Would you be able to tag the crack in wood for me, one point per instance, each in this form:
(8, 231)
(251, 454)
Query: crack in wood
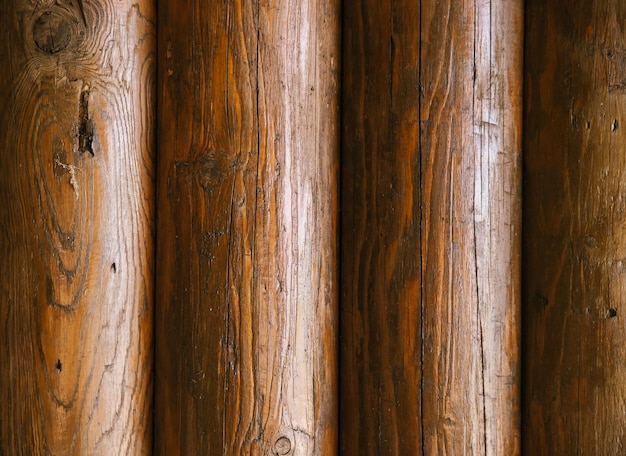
(85, 124)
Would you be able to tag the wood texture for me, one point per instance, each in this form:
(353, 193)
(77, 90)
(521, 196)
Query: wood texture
(247, 200)
(575, 238)
(76, 226)
(431, 133)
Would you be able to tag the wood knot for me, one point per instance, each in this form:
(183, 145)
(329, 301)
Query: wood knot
(282, 446)
(211, 170)
(52, 32)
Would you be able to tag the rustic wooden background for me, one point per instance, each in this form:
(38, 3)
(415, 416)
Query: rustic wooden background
(294, 227)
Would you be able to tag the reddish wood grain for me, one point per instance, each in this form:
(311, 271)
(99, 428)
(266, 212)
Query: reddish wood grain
(431, 227)
(247, 301)
(76, 226)
(575, 243)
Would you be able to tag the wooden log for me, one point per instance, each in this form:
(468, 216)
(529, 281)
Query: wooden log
(431, 109)
(575, 238)
(247, 200)
(76, 226)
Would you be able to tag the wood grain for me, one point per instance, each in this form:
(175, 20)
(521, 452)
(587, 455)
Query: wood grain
(431, 137)
(247, 200)
(575, 238)
(380, 409)
(76, 226)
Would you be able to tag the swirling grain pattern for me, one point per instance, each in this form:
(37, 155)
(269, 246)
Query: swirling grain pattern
(77, 216)
(247, 227)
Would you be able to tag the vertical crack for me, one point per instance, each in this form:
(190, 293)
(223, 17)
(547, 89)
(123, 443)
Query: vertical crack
(79, 11)
(421, 229)
(478, 150)
(85, 124)
(227, 357)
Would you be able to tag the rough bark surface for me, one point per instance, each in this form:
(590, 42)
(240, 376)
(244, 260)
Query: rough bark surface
(76, 226)
(575, 228)
(431, 137)
(248, 163)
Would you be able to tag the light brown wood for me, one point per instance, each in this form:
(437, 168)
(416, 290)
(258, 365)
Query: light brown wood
(574, 230)
(471, 110)
(76, 224)
(431, 227)
(247, 303)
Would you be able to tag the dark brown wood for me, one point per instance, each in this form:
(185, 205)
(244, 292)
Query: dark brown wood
(575, 243)
(247, 301)
(380, 411)
(431, 110)
(76, 226)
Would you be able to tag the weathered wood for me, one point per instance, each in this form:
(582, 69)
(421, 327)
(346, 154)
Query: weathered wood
(246, 304)
(471, 120)
(574, 237)
(76, 223)
(431, 227)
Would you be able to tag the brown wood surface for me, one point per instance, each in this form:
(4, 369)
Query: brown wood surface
(431, 134)
(247, 199)
(575, 228)
(76, 223)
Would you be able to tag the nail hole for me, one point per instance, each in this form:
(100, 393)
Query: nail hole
(113, 268)
(540, 301)
(611, 312)
(58, 365)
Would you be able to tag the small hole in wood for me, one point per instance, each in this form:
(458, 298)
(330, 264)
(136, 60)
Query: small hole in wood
(58, 365)
(113, 268)
(282, 446)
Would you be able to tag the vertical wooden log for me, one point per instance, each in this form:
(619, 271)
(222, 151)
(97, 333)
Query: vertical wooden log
(575, 230)
(431, 221)
(247, 317)
(76, 224)
(380, 243)
(471, 119)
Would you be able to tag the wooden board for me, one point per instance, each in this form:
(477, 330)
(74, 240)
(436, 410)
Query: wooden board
(431, 135)
(76, 226)
(247, 295)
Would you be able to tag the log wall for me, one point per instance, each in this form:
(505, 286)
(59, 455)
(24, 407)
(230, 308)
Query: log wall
(284, 323)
